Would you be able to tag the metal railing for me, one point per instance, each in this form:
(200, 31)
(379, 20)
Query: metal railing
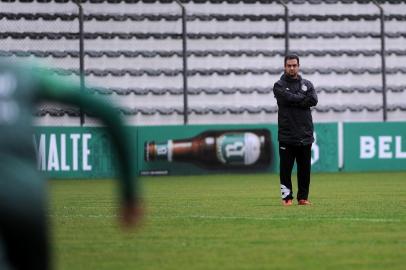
(286, 8)
(81, 55)
(383, 62)
(184, 58)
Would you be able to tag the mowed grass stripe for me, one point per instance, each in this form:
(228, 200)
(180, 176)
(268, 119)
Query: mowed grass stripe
(357, 221)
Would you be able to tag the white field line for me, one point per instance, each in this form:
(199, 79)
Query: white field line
(282, 218)
(204, 217)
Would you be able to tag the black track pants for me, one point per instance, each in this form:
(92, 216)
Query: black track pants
(24, 240)
(288, 154)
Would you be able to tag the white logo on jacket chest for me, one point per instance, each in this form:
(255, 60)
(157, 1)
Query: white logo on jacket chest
(304, 87)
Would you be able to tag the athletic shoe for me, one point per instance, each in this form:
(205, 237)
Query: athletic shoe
(287, 202)
(304, 202)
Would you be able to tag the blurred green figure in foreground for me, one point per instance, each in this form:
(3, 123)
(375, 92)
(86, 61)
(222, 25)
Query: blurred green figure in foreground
(24, 240)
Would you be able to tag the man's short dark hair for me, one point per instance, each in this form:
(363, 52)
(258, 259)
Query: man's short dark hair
(290, 57)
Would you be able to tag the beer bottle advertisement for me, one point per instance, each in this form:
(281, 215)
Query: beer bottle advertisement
(215, 149)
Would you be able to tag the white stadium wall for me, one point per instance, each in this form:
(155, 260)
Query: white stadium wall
(133, 57)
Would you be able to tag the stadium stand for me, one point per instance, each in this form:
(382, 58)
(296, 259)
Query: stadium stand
(133, 56)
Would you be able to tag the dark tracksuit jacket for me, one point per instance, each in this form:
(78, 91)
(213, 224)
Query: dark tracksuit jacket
(294, 98)
(295, 132)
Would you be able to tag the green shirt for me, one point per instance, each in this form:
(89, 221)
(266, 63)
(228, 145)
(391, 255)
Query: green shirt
(21, 88)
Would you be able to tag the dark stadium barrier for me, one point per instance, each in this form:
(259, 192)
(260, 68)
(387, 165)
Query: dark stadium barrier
(234, 90)
(193, 36)
(217, 110)
(219, 71)
(196, 53)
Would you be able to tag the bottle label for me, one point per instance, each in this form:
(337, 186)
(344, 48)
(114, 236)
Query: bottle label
(238, 148)
(164, 151)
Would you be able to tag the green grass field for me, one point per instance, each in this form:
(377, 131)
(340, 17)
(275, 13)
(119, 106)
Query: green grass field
(357, 221)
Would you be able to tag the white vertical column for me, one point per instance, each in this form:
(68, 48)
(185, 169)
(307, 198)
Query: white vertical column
(340, 134)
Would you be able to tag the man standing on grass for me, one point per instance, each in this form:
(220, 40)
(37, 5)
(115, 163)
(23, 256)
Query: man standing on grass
(294, 96)
(23, 211)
